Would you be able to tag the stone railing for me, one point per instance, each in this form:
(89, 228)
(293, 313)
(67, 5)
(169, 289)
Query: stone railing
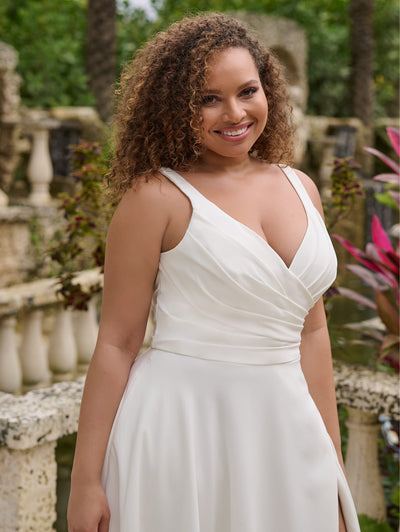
(40, 340)
(366, 394)
(31, 424)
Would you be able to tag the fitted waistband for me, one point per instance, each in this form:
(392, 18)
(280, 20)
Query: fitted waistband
(228, 353)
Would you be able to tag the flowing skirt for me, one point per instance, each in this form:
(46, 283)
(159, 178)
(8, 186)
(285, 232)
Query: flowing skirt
(211, 446)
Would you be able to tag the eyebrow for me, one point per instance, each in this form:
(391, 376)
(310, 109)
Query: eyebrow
(215, 91)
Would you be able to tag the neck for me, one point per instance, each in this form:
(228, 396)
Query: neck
(212, 163)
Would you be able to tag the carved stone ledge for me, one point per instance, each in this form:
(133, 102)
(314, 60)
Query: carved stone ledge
(365, 389)
(40, 293)
(40, 416)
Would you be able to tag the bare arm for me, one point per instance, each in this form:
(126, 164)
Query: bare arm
(316, 358)
(132, 253)
(316, 363)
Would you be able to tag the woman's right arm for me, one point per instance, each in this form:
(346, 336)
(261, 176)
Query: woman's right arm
(133, 247)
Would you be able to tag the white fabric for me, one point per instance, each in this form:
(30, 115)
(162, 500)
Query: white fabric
(216, 431)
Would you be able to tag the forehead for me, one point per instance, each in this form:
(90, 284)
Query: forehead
(231, 64)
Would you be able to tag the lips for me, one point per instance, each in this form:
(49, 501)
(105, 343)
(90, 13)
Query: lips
(233, 133)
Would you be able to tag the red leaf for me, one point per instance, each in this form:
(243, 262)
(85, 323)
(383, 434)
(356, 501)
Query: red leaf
(384, 158)
(367, 276)
(359, 254)
(395, 258)
(385, 267)
(390, 341)
(355, 296)
(379, 235)
(387, 312)
(388, 178)
(394, 135)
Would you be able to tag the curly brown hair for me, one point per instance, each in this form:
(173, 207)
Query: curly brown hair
(159, 120)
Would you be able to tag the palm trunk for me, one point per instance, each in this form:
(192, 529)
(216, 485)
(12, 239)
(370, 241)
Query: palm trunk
(101, 54)
(362, 45)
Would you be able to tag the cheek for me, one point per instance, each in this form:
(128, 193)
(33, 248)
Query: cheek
(263, 110)
(264, 104)
(206, 119)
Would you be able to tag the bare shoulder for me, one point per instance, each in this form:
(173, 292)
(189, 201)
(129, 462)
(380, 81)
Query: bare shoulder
(311, 189)
(145, 205)
(146, 196)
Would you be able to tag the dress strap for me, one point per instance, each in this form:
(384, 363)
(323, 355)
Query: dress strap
(299, 187)
(183, 185)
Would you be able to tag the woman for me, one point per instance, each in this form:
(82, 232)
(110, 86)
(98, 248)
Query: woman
(220, 426)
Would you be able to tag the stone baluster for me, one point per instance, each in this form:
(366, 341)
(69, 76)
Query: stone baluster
(10, 366)
(33, 351)
(86, 329)
(40, 168)
(62, 351)
(362, 465)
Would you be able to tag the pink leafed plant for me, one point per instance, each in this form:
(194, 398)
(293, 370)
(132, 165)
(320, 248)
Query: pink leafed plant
(392, 178)
(379, 269)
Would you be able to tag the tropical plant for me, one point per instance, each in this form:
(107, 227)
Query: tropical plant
(87, 215)
(379, 269)
(391, 178)
(345, 188)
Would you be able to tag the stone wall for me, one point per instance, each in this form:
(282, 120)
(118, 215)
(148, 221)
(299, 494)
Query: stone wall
(287, 40)
(9, 116)
(25, 235)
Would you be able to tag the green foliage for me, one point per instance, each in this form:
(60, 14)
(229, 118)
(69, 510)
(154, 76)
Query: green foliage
(87, 215)
(370, 525)
(327, 24)
(133, 30)
(386, 57)
(50, 38)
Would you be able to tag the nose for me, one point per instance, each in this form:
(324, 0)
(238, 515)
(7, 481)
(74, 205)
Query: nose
(234, 111)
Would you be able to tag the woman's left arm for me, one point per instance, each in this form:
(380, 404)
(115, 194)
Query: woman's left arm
(316, 363)
(316, 357)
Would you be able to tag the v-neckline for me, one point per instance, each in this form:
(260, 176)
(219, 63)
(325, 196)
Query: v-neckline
(246, 227)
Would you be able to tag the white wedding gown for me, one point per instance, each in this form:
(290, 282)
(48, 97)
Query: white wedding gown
(216, 430)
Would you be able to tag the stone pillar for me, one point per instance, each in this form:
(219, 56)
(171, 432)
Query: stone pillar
(28, 488)
(40, 168)
(10, 366)
(33, 351)
(86, 330)
(362, 465)
(62, 351)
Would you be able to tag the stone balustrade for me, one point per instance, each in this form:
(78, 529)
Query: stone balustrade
(40, 340)
(31, 424)
(366, 394)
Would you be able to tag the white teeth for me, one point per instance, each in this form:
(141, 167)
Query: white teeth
(234, 133)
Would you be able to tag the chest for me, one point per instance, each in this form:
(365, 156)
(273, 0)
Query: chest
(271, 209)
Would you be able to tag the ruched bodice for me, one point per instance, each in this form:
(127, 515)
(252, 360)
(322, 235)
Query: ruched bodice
(224, 293)
(217, 430)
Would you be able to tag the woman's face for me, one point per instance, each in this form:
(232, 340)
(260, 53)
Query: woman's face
(234, 106)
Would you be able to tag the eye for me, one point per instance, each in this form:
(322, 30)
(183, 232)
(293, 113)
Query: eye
(208, 99)
(249, 91)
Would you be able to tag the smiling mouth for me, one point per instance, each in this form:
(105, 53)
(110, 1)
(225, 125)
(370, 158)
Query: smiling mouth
(235, 132)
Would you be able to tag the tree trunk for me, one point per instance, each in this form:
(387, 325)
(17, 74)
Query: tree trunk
(101, 54)
(362, 45)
